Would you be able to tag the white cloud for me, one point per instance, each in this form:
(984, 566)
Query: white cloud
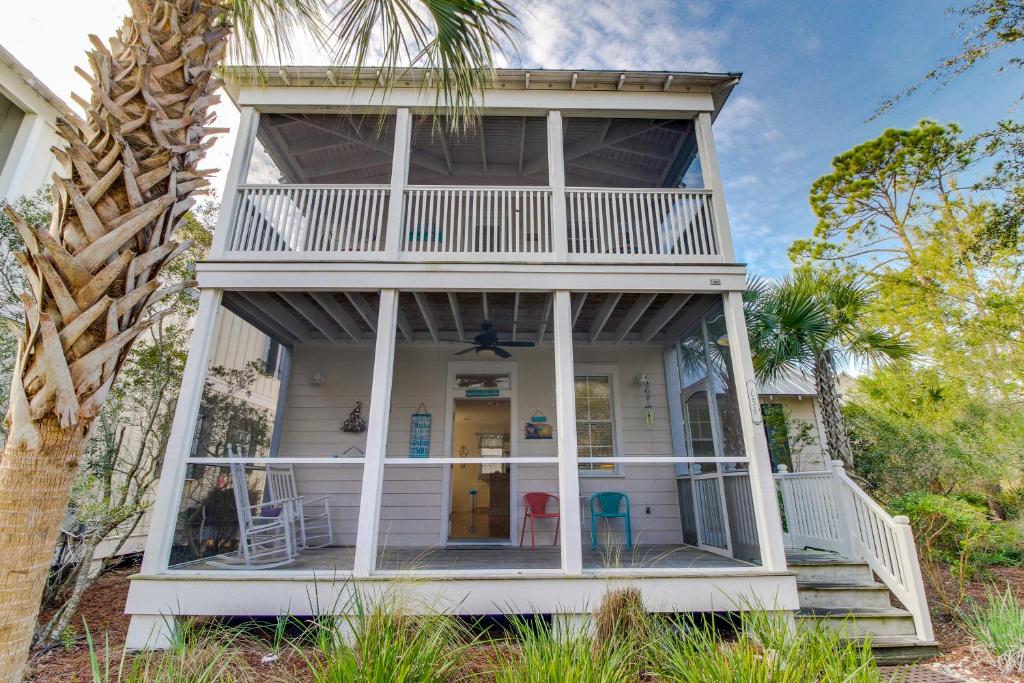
(605, 34)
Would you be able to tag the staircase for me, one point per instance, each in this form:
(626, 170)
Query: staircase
(851, 559)
(842, 595)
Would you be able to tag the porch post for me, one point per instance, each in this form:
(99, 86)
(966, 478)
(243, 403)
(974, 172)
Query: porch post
(376, 434)
(713, 182)
(762, 484)
(241, 155)
(172, 473)
(285, 376)
(568, 455)
(399, 179)
(556, 178)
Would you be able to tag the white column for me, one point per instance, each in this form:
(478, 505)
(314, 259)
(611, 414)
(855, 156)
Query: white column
(713, 182)
(399, 179)
(376, 434)
(237, 172)
(766, 507)
(556, 178)
(20, 156)
(179, 442)
(568, 455)
(285, 375)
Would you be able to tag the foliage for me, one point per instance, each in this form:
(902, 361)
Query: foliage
(787, 435)
(389, 646)
(563, 653)
(952, 531)
(916, 429)
(998, 625)
(765, 649)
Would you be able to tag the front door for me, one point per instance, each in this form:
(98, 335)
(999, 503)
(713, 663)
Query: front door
(480, 502)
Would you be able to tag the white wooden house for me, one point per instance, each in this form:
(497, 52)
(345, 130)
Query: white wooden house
(580, 229)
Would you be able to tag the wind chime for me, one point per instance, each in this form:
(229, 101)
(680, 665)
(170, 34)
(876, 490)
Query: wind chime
(355, 422)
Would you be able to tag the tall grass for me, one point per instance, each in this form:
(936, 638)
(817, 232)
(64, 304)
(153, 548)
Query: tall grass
(765, 649)
(196, 654)
(998, 626)
(383, 643)
(536, 653)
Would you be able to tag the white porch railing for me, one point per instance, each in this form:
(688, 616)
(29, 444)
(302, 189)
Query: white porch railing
(477, 223)
(675, 225)
(308, 219)
(828, 510)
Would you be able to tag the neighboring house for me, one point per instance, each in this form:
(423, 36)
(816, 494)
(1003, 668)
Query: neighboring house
(28, 120)
(539, 313)
(792, 400)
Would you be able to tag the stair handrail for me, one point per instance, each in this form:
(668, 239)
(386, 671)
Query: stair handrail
(868, 532)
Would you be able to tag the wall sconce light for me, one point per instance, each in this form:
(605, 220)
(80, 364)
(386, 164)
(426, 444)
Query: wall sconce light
(317, 379)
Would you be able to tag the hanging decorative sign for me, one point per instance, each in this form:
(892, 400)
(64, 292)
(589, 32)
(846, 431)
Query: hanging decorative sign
(355, 422)
(539, 417)
(419, 433)
(480, 393)
(538, 430)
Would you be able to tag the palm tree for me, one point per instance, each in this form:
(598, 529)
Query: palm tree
(814, 322)
(130, 169)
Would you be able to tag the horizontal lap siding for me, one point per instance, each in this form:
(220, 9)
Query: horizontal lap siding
(413, 495)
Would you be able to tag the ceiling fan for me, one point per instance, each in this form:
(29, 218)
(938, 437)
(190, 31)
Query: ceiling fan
(488, 340)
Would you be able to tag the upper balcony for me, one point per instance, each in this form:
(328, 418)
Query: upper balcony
(527, 185)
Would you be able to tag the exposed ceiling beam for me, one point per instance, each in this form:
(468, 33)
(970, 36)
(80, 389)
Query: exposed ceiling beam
(276, 148)
(653, 150)
(453, 302)
(487, 311)
(670, 167)
(543, 328)
(364, 309)
(603, 313)
(404, 326)
(308, 310)
(634, 314)
(263, 303)
(572, 82)
(578, 307)
(667, 83)
(340, 315)
(428, 315)
(622, 130)
(515, 316)
(622, 82)
(317, 143)
(664, 314)
(241, 307)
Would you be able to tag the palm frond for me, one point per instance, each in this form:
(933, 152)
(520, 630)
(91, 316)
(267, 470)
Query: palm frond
(456, 40)
(274, 27)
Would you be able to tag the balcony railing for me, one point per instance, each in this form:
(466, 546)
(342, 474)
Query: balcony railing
(350, 222)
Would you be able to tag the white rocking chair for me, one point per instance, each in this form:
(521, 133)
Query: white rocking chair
(310, 515)
(265, 535)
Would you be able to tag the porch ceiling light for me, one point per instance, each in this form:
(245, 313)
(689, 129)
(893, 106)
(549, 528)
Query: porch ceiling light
(723, 340)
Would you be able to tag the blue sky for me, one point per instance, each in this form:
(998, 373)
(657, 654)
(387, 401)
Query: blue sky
(813, 74)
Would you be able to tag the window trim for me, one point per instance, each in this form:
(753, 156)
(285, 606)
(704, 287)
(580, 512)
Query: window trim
(611, 371)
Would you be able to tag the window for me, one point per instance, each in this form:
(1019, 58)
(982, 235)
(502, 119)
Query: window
(699, 428)
(776, 431)
(595, 430)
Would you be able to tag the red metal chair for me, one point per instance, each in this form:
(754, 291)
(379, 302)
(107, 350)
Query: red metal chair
(536, 505)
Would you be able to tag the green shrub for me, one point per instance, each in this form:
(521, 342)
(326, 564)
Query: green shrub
(1011, 501)
(765, 649)
(998, 626)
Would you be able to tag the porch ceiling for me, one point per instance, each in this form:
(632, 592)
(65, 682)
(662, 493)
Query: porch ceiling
(500, 150)
(442, 317)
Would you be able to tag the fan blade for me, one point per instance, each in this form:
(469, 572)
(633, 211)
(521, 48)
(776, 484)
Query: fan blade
(523, 344)
(471, 348)
(500, 352)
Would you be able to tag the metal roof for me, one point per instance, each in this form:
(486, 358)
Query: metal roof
(789, 384)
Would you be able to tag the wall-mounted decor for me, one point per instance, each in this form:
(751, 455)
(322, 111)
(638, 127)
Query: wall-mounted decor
(355, 422)
(482, 393)
(538, 430)
(419, 433)
(645, 382)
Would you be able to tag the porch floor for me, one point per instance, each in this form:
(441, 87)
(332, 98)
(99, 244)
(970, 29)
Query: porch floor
(476, 556)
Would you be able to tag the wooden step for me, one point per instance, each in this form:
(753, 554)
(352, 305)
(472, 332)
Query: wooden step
(889, 650)
(876, 622)
(831, 570)
(839, 594)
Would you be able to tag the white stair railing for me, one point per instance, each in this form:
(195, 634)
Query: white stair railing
(829, 511)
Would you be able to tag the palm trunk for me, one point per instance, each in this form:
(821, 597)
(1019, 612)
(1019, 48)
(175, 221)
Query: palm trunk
(130, 168)
(31, 481)
(827, 385)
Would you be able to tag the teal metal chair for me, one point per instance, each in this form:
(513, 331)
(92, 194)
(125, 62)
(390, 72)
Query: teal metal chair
(610, 503)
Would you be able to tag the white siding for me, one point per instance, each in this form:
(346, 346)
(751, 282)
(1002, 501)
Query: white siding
(413, 495)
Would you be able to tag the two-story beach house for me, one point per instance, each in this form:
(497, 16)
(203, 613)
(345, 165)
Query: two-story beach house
(513, 370)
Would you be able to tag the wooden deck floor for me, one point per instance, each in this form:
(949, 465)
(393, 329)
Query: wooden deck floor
(469, 557)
